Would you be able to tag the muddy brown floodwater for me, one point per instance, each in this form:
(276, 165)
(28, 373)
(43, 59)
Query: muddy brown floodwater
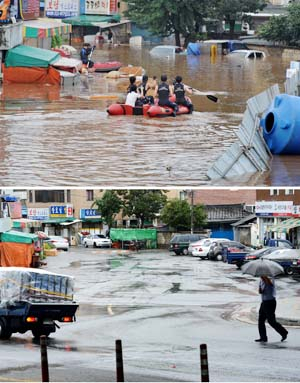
(63, 136)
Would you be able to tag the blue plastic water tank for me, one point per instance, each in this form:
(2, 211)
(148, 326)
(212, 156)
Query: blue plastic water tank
(281, 125)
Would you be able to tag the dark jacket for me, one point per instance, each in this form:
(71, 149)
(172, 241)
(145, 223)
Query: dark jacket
(163, 92)
(179, 92)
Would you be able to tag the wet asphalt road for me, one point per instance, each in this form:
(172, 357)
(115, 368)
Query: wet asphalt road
(162, 307)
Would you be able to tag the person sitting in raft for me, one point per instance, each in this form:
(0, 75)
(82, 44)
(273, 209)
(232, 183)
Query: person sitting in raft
(163, 91)
(143, 91)
(85, 55)
(132, 96)
(132, 81)
(151, 86)
(179, 91)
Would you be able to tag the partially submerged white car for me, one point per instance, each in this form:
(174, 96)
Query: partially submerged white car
(247, 54)
(166, 50)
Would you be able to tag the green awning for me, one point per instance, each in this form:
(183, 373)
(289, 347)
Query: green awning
(285, 226)
(27, 56)
(91, 20)
(18, 236)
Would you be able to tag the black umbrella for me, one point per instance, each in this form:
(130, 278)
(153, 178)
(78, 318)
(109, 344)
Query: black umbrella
(261, 267)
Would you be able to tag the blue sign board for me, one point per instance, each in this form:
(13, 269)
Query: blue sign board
(89, 213)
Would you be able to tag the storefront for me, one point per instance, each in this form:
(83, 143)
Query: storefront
(91, 221)
(278, 219)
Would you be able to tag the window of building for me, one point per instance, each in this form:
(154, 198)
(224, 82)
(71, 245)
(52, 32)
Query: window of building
(274, 191)
(30, 196)
(90, 195)
(68, 196)
(49, 196)
(289, 191)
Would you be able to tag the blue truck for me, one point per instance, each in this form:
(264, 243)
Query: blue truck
(34, 300)
(234, 257)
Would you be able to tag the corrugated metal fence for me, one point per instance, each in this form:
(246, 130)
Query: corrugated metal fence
(250, 153)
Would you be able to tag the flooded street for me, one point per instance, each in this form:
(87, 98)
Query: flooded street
(55, 137)
(162, 307)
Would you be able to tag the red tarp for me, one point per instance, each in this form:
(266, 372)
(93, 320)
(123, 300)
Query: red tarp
(31, 75)
(16, 254)
(12, 91)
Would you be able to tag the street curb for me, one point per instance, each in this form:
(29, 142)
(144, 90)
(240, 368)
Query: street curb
(250, 315)
(283, 320)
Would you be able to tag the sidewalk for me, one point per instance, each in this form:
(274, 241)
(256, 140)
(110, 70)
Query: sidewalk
(287, 312)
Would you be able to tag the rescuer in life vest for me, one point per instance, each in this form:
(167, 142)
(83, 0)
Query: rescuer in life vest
(179, 91)
(164, 91)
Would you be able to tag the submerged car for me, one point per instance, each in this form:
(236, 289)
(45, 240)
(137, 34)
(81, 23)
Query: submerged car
(166, 50)
(247, 54)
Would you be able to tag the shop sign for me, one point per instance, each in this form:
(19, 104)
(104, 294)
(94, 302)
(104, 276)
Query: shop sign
(61, 8)
(61, 211)
(30, 9)
(89, 213)
(274, 208)
(15, 209)
(38, 213)
(97, 7)
(113, 6)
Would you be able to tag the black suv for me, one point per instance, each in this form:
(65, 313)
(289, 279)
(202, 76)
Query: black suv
(180, 242)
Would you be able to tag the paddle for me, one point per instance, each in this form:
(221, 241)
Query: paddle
(199, 93)
(90, 56)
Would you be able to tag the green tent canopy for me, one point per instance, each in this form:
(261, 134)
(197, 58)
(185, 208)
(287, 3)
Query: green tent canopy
(91, 20)
(18, 236)
(148, 235)
(26, 56)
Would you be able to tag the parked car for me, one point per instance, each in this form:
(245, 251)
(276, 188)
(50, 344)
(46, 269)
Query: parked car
(295, 266)
(217, 249)
(256, 254)
(201, 248)
(247, 54)
(285, 257)
(179, 244)
(96, 240)
(280, 243)
(59, 242)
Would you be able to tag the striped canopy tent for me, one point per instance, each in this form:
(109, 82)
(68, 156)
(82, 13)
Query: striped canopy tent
(285, 226)
(45, 28)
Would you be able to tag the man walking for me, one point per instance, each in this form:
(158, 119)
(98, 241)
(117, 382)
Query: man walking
(267, 310)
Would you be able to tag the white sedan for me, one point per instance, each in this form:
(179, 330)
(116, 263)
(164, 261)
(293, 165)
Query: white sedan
(96, 240)
(201, 248)
(60, 243)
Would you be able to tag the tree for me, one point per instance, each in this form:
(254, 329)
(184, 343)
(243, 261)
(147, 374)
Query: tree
(284, 28)
(109, 206)
(167, 17)
(143, 204)
(177, 214)
(233, 10)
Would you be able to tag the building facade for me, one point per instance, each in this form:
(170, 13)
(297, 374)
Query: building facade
(278, 213)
